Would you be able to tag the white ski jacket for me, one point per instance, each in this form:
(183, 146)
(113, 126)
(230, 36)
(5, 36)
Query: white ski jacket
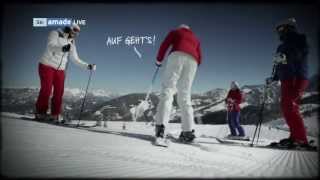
(55, 57)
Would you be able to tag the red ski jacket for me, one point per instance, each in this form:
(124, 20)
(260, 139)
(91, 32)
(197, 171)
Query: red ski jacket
(181, 39)
(236, 97)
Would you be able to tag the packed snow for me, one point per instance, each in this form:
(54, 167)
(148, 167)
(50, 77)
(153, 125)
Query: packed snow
(33, 149)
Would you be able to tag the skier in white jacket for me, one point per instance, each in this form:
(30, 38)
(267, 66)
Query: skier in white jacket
(180, 70)
(52, 65)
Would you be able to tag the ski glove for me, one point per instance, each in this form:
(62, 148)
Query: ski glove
(230, 100)
(66, 48)
(92, 67)
(280, 58)
(158, 64)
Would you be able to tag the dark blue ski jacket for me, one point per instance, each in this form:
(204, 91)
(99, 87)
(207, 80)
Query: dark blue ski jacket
(295, 48)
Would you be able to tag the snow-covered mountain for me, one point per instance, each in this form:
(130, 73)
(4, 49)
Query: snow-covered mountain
(209, 107)
(216, 94)
(124, 107)
(22, 100)
(76, 92)
(253, 94)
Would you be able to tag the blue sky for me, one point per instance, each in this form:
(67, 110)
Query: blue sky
(237, 40)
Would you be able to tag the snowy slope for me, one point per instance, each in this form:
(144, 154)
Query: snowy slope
(32, 149)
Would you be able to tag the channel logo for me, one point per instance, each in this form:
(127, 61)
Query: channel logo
(45, 22)
(39, 22)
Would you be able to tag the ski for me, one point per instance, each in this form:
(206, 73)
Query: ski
(176, 139)
(237, 141)
(245, 140)
(231, 141)
(272, 145)
(238, 138)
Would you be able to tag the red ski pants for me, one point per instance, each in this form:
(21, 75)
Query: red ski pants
(291, 93)
(50, 77)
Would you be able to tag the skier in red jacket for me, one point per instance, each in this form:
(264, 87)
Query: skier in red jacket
(233, 101)
(181, 67)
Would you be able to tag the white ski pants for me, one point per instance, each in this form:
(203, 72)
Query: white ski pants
(178, 74)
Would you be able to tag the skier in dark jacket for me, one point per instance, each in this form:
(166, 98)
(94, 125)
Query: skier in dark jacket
(292, 71)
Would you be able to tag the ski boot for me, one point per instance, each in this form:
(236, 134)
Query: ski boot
(283, 143)
(289, 143)
(232, 137)
(286, 141)
(56, 119)
(160, 131)
(243, 138)
(187, 136)
(40, 117)
(159, 136)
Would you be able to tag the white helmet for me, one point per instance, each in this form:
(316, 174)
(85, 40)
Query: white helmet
(184, 26)
(234, 85)
(290, 22)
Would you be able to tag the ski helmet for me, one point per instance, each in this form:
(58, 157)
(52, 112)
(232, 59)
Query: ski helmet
(234, 85)
(184, 26)
(287, 25)
(72, 30)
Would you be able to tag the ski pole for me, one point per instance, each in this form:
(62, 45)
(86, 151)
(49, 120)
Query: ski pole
(261, 112)
(152, 83)
(227, 114)
(151, 87)
(227, 118)
(65, 77)
(84, 98)
(265, 97)
(155, 75)
(258, 125)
